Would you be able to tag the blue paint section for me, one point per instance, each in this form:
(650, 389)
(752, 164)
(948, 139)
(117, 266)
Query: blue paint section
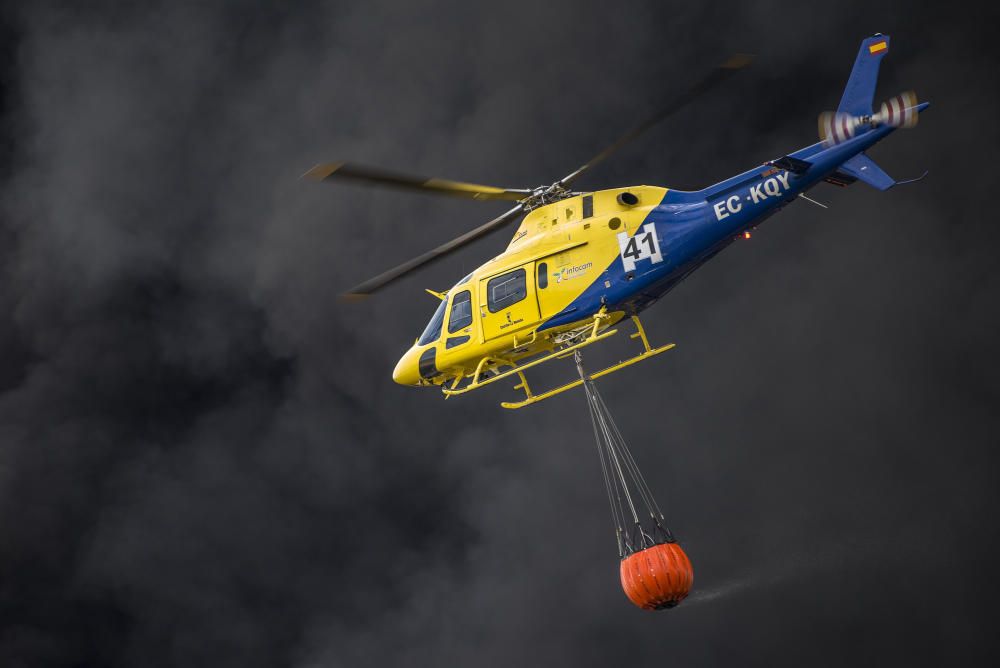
(860, 89)
(693, 226)
(864, 169)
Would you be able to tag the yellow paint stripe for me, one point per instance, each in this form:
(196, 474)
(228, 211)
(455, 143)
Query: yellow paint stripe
(875, 48)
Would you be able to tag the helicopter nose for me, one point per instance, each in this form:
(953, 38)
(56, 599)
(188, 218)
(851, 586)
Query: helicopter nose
(407, 371)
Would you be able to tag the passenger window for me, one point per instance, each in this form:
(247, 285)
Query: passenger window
(505, 290)
(543, 275)
(461, 312)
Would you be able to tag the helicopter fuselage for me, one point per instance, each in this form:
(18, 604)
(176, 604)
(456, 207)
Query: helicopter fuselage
(616, 250)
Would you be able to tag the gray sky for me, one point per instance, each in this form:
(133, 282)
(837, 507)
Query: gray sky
(203, 458)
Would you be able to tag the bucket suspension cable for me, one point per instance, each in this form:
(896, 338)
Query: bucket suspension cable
(610, 483)
(626, 486)
(629, 461)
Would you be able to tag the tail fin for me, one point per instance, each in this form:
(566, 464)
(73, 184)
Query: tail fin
(855, 116)
(860, 89)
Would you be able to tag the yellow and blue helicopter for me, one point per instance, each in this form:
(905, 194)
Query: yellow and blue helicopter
(581, 262)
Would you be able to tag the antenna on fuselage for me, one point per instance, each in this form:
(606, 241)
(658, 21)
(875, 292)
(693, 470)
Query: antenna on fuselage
(810, 199)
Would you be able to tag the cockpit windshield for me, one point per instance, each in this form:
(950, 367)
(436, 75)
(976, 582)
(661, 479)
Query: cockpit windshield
(433, 330)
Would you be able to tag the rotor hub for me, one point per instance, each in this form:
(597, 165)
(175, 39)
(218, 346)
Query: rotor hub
(543, 195)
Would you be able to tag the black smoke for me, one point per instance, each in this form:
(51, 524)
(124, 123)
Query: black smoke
(203, 459)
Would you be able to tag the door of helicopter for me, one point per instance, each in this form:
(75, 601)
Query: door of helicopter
(508, 302)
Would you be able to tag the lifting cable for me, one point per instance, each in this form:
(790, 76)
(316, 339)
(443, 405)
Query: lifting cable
(622, 477)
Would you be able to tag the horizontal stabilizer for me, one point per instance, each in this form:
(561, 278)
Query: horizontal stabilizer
(864, 169)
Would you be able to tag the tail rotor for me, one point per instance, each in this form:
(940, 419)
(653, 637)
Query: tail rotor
(898, 112)
(836, 127)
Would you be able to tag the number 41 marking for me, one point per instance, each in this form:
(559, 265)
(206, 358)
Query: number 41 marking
(643, 245)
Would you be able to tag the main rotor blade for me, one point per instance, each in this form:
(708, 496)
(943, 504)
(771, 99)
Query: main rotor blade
(385, 278)
(376, 176)
(714, 78)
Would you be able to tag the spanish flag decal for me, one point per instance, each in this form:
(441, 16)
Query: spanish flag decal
(877, 47)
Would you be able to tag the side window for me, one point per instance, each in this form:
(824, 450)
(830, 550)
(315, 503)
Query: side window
(506, 289)
(461, 312)
(543, 275)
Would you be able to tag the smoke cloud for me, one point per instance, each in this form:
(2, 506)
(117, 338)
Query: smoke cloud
(203, 459)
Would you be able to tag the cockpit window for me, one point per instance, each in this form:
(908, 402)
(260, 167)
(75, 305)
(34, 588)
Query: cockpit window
(461, 312)
(433, 330)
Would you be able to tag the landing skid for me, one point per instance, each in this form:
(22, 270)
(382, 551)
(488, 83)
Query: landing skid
(647, 353)
(567, 351)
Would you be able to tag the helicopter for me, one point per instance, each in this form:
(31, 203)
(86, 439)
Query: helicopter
(581, 262)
